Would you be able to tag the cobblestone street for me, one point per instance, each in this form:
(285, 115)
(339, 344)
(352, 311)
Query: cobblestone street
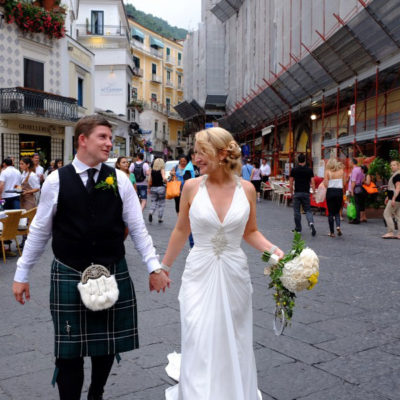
(344, 342)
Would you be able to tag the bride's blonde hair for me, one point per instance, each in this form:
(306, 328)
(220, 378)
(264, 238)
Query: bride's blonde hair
(214, 140)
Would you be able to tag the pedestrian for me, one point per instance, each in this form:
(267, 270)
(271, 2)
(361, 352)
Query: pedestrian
(29, 184)
(10, 177)
(38, 169)
(141, 170)
(87, 222)
(392, 202)
(178, 172)
(357, 191)
(334, 182)
(255, 178)
(156, 189)
(265, 170)
(50, 169)
(246, 169)
(302, 177)
(122, 164)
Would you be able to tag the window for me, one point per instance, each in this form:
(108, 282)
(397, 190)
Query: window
(179, 58)
(168, 51)
(164, 131)
(136, 61)
(129, 94)
(155, 127)
(169, 76)
(134, 93)
(97, 22)
(168, 103)
(179, 80)
(154, 69)
(80, 92)
(153, 97)
(33, 74)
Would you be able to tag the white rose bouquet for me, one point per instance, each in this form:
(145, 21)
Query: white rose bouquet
(298, 270)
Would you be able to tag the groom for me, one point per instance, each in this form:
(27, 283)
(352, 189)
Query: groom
(87, 225)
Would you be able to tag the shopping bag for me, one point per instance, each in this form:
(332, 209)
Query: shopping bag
(320, 193)
(173, 189)
(371, 188)
(351, 210)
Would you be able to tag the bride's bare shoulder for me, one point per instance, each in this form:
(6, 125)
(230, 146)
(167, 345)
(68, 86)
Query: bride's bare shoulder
(192, 184)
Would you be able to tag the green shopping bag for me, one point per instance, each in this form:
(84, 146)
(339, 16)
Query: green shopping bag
(351, 210)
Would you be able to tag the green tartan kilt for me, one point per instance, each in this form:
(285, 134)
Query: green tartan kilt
(81, 332)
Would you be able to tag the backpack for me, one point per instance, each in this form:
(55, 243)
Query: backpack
(138, 172)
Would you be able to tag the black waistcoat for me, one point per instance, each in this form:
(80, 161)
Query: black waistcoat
(87, 228)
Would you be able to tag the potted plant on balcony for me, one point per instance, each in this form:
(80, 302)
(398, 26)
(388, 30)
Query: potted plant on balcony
(30, 18)
(138, 105)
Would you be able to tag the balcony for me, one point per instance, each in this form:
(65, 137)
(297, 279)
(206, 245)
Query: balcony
(169, 60)
(169, 84)
(19, 100)
(180, 87)
(102, 30)
(173, 115)
(156, 78)
(180, 64)
(137, 71)
(156, 52)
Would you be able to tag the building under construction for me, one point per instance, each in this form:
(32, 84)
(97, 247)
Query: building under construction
(320, 77)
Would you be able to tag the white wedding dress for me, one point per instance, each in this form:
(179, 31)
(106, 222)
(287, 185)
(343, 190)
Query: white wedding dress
(216, 307)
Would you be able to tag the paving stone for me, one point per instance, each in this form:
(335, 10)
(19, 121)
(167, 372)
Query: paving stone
(386, 385)
(362, 366)
(291, 381)
(392, 348)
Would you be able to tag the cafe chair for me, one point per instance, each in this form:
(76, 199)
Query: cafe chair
(26, 220)
(10, 230)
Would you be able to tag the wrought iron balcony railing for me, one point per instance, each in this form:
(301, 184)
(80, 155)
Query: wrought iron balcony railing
(19, 100)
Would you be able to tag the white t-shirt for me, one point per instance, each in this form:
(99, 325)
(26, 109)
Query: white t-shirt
(33, 180)
(39, 170)
(11, 177)
(265, 170)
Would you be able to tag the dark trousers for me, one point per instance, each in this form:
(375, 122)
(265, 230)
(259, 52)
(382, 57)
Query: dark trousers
(12, 203)
(334, 200)
(302, 199)
(359, 200)
(70, 376)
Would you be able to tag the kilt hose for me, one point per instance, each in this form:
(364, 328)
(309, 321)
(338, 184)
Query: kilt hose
(81, 332)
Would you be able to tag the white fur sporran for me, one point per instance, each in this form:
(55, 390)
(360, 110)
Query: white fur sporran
(98, 289)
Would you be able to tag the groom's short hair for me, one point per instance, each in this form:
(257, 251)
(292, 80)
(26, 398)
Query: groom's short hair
(86, 125)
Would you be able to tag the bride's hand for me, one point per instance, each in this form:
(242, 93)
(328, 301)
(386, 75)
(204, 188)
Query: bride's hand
(159, 281)
(279, 253)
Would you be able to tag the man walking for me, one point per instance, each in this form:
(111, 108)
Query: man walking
(356, 190)
(265, 170)
(302, 177)
(85, 206)
(9, 178)
(246, 170)
(141, 170)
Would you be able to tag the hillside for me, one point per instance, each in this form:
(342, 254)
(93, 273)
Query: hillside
(155, 24)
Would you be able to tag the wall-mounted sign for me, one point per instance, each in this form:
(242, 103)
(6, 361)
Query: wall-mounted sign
(352, 115)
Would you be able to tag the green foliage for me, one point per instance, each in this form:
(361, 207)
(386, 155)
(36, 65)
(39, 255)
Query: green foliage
(380, 167)
(284, 298)
(394, 155)
(155, 24)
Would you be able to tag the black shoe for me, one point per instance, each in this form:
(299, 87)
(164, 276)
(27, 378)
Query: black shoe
(91, 397)
(160, 220)
(296, 230)
(313, 231)
(150, 217)
(354, 222)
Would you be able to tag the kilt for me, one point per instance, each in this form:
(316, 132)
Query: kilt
(81, 332)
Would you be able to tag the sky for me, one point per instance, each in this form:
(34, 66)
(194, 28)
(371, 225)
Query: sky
(181, 13)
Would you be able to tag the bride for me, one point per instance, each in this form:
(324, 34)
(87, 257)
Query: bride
(215, 296)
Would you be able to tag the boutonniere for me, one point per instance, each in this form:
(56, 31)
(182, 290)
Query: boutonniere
(109, 183)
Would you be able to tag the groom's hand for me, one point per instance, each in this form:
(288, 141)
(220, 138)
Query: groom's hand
(159, 281)
(20, 290)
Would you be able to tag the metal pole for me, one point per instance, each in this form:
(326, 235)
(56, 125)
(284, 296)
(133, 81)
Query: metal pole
(355, 116)
(290, 141)
(337, 121)
(376, 108)
(323, 128)
(276, 151)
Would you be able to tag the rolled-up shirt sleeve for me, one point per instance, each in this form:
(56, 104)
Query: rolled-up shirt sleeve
(40, 229)
(133, 218)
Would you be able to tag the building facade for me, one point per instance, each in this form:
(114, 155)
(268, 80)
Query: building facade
(38, 106)
(279, 63)
(157, 87)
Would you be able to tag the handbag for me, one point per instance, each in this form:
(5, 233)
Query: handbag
(358, 189)
(98, 288)
(371, 188)
(173, 189)
(351, 210)
(320, 194)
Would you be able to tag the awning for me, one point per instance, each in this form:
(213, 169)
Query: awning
(156, 43)
(137, 33)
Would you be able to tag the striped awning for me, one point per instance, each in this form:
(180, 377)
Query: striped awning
(156, 43)
(137, 33)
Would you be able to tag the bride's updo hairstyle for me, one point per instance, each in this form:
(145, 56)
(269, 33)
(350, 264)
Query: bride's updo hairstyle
(213, 140)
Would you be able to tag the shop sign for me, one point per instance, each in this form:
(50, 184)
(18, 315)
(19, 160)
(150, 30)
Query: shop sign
(258, 141)
(30, 127)
(288, 167)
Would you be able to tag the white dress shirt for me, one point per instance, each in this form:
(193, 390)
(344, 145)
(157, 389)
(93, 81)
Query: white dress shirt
(265, 170)
(11, 177)
(41, 227)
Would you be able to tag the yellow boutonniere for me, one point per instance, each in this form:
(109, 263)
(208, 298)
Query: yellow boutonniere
(109, 183)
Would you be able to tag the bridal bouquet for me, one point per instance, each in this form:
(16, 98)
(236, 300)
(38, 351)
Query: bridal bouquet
(298, 270)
